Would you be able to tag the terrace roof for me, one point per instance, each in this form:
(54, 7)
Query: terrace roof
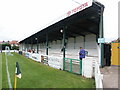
(79, 24)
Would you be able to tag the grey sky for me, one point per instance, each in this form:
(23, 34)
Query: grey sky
(22, 18)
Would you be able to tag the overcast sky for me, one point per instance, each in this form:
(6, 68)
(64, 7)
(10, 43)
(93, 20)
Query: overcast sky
(22, 18)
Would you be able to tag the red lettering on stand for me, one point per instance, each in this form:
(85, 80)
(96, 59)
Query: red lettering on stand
(77, 9)
(68, 13)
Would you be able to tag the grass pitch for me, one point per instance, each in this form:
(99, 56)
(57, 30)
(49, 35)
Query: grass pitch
(37, 75)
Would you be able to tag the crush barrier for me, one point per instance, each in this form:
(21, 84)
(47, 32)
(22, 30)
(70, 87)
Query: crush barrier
(73, 65)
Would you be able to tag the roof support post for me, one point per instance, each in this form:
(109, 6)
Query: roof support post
(101, 36)
(37, 45)
(26, 46)
(47, 43)
(64, 45)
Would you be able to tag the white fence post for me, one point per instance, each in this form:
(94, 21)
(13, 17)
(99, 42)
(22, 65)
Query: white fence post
(98, 76)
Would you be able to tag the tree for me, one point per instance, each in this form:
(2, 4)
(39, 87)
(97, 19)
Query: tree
(4, 45)
(15, 47)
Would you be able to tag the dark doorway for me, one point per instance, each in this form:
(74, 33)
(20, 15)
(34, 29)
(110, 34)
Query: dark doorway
(107, 54)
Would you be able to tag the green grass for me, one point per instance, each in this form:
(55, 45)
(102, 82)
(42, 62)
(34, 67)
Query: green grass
(37, 75)
(4, 74)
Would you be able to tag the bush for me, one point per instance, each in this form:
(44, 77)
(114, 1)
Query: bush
(4, 45)
(15, 47)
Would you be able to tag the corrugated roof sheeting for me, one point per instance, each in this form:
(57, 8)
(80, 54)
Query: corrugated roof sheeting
(79, 24)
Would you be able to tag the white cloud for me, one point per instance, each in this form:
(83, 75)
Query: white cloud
(110, 19)
(21, 18)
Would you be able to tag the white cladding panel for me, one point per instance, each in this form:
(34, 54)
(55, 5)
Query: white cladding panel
(70, 44)
(79, 42)
(91, 45)
(72, 48)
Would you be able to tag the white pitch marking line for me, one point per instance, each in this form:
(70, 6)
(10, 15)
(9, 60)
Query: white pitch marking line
(8, 75)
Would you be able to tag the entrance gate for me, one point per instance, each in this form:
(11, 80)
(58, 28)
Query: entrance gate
(73, 65)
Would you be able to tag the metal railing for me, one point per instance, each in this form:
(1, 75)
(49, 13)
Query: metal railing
(73, 65)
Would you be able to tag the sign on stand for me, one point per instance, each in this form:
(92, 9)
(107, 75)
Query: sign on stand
(101, 40)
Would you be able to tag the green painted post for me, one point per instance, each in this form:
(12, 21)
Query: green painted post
(64, 63)
(70, 65)
(37, 47)
(26, 45)
(64, 43)
(101, 36)
(47, 43)
(37, 44)
(80, 66)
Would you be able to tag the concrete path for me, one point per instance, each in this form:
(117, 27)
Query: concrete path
(111, 77)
